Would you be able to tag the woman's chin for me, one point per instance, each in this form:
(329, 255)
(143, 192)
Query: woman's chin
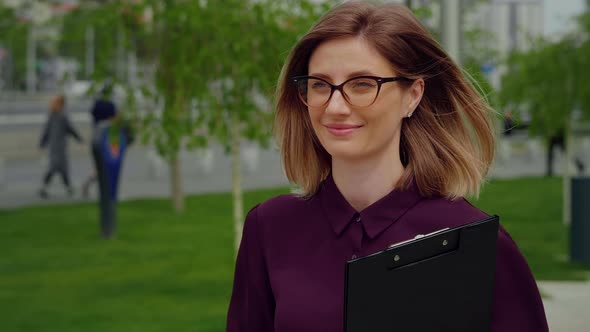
(345, 152)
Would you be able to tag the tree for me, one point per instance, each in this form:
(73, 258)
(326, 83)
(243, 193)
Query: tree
(541, 82)
(13, 37)
(550, 83)
(548, 80)
(165, 40)
(237, 76)
(216, 63)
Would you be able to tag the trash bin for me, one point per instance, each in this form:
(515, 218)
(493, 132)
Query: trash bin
(580, 222)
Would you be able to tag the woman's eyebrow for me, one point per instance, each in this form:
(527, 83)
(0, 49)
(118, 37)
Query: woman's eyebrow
(361, 73)
(350, 75)
(320, 75)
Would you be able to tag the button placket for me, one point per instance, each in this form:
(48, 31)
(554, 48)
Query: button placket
(357, 236)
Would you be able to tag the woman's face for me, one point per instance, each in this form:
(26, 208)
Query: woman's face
(353, 133)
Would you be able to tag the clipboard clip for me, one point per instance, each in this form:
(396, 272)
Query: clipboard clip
(419, 236)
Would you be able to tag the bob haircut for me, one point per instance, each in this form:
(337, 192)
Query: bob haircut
(447, 146)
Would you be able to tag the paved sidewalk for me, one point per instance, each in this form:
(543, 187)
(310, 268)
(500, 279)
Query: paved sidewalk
(143, 175)
(146, 175)
(567, 305)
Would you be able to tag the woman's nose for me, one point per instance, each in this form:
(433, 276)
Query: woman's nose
(337, 104)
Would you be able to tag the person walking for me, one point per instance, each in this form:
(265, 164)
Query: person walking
(54, 137)
(103, 109)
(558, 141)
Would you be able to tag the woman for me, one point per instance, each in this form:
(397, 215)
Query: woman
(57, 129)
(384, 136)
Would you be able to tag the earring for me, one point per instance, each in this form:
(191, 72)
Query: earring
(410, 114)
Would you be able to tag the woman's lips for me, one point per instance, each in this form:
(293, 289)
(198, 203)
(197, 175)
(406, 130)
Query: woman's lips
(342, 130)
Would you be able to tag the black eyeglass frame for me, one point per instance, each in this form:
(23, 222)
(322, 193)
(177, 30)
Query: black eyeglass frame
(340, 87)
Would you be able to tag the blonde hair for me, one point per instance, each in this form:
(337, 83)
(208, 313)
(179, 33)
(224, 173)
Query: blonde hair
(448, 144)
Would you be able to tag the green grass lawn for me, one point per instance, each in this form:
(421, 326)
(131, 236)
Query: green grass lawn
(530, 209)
(165, 272)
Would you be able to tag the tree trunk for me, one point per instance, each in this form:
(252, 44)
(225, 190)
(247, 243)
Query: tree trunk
(238, 204)
(176, 184)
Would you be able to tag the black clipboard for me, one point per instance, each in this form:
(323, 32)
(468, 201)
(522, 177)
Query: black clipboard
(443, 281)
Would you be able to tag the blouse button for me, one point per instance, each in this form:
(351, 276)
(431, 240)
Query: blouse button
(357, 219)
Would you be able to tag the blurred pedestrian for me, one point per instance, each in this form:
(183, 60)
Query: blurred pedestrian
(103, 109)
(558, 141)
(508, 123)
(54, 137)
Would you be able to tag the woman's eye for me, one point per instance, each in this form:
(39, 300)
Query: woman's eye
(319, 86)
(363, 84)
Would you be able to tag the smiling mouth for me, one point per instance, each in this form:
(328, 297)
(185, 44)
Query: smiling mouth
(342, 130)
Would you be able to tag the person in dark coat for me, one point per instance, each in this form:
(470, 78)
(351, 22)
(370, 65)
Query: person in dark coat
(558, 141)
(55, 138)
(103, 109)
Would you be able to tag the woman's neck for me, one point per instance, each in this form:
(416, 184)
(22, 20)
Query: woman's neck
(364, 182)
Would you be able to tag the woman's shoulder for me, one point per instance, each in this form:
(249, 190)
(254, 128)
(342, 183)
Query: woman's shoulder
(282, 205)
(443, 212)
(281, 215)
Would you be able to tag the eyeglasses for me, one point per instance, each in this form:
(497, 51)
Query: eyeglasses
(361, 91)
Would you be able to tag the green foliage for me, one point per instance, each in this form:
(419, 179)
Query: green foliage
(215, 66)
(13, 36)
(549, 81)
(105, 21)
(225, 63)
(543, 82)
(216, 62)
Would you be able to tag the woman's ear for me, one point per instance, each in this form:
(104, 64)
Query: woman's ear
(414, 96)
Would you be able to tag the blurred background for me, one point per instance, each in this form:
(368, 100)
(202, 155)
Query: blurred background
(194, 81)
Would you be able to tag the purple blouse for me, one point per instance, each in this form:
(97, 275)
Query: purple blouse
(290, 267)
